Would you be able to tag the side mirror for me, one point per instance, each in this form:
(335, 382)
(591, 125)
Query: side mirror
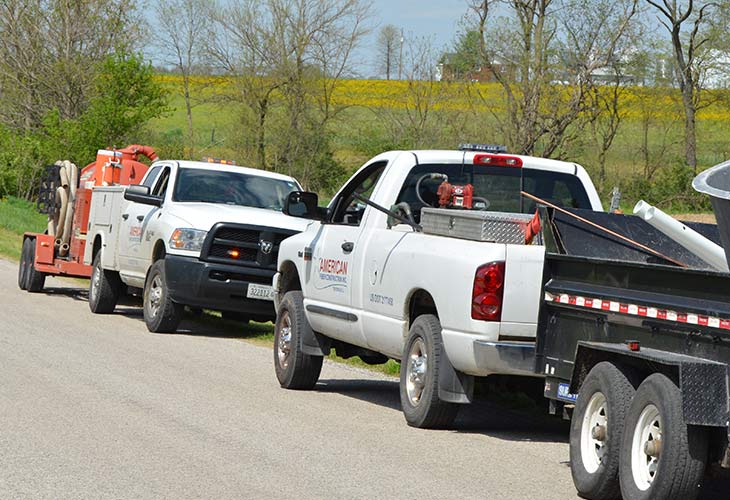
(141, 194)
(303, 204)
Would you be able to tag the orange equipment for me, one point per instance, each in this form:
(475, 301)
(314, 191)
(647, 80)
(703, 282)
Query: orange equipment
(63, 254)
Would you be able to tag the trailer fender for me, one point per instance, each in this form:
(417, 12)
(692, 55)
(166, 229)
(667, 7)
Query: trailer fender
(703, 383)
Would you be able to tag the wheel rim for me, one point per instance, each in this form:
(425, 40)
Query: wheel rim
(95, 283)
(154, 296)
(646, 447)
(416, 370)
(594, 433)
(283, 344)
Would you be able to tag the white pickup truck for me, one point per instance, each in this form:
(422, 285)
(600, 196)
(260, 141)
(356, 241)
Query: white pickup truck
(369, 282)
(205, 235)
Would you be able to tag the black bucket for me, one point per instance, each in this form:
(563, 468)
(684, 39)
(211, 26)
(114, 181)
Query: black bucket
(715, 181)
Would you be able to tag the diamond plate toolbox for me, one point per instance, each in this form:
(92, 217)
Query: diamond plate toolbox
(497, 227)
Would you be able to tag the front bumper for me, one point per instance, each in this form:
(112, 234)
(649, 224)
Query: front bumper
(217, 286)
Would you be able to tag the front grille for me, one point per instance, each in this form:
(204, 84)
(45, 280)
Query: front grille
(255, 246)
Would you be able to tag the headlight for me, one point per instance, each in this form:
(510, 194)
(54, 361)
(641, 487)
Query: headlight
(187, 239)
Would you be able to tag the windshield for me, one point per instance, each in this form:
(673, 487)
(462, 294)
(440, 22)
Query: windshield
(231, 188)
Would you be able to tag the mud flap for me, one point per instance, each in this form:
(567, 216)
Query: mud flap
(313, 343)
(454, 386)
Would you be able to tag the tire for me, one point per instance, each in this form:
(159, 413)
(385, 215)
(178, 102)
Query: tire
(104, 288)
(23, 265)
(676, 470)
(161, 314)
(419, 370)
(596, 431)
(34, 279)
(294, 368)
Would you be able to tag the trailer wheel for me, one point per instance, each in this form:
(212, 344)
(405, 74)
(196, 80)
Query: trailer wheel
(104, 288)
(294, 368)
(661, 456)
(161, 314)
(596, 430)
(419, 377)
(34, 279)
(23, 265)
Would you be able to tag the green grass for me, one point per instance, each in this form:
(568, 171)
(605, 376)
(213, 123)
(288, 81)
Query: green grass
(16, 217)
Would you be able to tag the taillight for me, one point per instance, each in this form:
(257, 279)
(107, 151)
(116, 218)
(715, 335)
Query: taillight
(497, 160)
(486, 296)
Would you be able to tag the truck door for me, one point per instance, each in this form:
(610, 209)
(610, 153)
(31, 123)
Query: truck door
(137, 237)
(332, 277)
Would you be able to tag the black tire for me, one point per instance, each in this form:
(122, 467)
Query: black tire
(294, 368)
(34, 279)
(161, 314)
(23, 264)
(596, 431)
(104, 288)
(419, 372)
(680, 465)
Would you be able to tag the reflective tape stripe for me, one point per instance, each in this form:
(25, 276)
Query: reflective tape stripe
(644, 311)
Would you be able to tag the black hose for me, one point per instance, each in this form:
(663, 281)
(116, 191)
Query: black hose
(432, 175)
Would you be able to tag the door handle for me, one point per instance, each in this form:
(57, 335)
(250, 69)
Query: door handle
(125, 216)
(348, 246)
(140, 218)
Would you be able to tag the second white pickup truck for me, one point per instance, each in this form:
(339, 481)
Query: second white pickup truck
(368, 282)
(198, 234)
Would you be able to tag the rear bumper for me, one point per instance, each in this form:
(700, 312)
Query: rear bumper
(474, 355)
(217, 286)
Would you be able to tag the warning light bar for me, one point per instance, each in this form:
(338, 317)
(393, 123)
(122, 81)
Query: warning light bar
(210, 159)
(483, 148)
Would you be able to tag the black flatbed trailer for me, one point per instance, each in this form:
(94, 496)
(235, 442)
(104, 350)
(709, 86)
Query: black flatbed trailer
(638, 350)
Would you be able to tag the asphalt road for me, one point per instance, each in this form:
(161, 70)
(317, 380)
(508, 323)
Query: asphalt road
(97, 407)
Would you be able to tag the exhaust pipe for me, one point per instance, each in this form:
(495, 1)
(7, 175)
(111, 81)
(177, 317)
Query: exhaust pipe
(705, 249)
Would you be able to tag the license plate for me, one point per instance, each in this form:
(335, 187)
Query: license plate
(261, 292)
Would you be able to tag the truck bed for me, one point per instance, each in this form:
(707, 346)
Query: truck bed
(599, 289)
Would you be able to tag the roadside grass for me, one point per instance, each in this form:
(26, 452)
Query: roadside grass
(16, 217)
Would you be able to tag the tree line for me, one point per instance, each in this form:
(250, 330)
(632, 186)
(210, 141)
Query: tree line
(73, 79)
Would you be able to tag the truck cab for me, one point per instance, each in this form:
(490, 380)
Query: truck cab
(200, 234)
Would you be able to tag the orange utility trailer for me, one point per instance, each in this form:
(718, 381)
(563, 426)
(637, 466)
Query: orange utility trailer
(66, 197)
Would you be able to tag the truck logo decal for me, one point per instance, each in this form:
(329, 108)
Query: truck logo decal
(266, 246)
(334, 270)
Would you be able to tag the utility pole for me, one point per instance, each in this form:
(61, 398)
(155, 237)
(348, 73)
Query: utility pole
(400, 57)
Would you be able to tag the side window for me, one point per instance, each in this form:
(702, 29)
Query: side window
(161, 185)
(347, 209)
(149, 181)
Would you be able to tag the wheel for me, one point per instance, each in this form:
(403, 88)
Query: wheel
(23, 264)
(235, 316)
(419, 377)
(294, 368)
(661, 456)
(161, 314)
(104, 288)
(34, 279)
(596, 430)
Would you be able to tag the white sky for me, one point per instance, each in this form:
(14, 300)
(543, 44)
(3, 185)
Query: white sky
(436, 19)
